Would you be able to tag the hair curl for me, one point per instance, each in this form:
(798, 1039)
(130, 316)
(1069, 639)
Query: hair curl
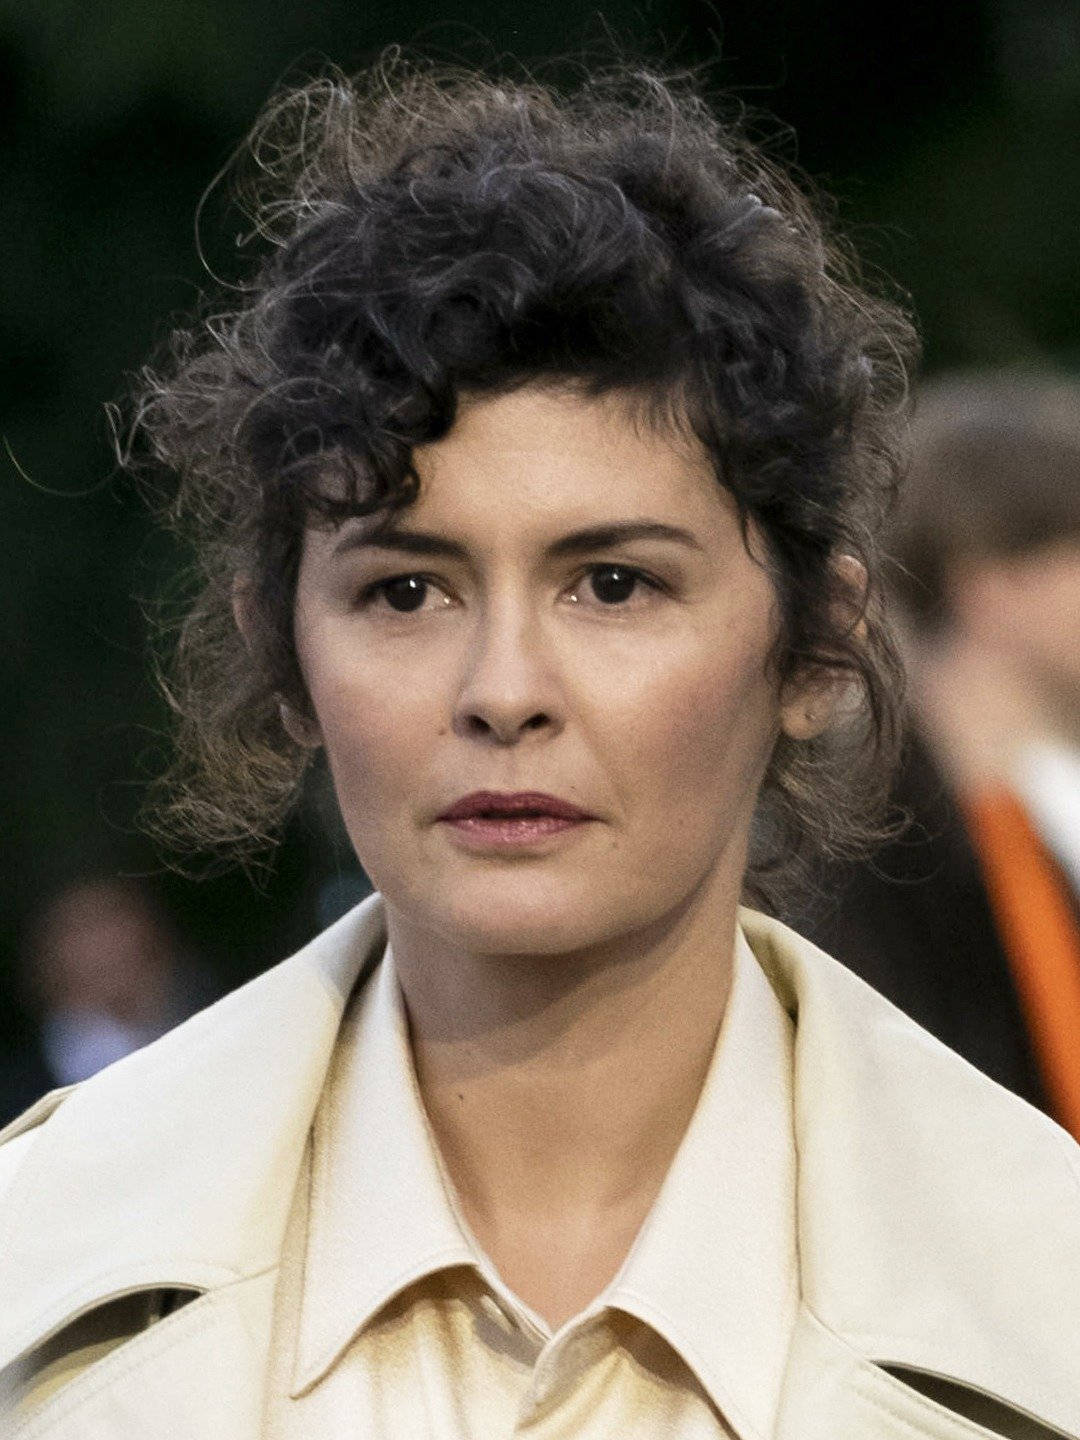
(431, 233)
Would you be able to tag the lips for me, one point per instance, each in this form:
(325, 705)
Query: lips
(493, 804)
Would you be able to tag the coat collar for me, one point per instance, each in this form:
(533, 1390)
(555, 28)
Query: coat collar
(725, 1305)
(939, 1216)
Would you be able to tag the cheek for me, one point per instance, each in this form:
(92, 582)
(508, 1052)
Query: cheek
(700, 730)
(369, 738)
(375, 746)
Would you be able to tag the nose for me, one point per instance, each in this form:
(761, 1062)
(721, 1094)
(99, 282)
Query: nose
(508, 688)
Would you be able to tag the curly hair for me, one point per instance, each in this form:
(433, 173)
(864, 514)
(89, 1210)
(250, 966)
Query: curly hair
(429, 234)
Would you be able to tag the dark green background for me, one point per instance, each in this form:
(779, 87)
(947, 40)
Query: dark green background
(949, 132)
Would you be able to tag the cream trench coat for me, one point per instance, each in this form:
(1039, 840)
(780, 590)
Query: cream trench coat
(938, 1220)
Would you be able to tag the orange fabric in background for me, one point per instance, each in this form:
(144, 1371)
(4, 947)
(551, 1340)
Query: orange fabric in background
(1040, 936)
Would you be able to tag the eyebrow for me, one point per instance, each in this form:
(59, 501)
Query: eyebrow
(576, 542)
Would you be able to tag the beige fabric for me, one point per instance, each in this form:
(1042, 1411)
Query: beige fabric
(393, 1324)
(938, 1217)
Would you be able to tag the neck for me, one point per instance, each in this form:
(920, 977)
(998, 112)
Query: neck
(559, 1086)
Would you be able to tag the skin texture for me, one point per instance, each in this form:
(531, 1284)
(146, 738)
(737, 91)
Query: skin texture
(563, 1001)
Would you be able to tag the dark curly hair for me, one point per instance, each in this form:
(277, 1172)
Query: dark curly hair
(431, 233)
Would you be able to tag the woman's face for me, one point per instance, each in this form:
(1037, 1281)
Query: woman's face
(628, 677)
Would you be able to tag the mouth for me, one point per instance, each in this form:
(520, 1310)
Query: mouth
(493, 806)
(488, 820)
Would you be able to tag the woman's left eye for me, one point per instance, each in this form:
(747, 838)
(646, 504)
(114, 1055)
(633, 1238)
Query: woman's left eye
(613, 584)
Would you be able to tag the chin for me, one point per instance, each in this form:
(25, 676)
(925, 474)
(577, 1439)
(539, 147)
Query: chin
(487, 916)
(499, 925)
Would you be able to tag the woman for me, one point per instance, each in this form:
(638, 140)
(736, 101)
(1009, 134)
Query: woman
(536, 477)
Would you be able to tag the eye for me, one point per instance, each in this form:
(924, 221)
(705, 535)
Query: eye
(404, 594)
(613, 584)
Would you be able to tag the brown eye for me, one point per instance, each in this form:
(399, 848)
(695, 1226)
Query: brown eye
(404, 594)
(613, 584)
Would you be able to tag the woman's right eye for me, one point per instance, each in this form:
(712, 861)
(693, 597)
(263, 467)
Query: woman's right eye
(404, 594)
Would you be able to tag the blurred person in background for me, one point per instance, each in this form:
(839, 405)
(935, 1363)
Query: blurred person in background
(103, 973)
(969, 920)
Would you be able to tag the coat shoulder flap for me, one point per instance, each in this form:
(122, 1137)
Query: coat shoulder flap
(832, 1389)
(170, 1365)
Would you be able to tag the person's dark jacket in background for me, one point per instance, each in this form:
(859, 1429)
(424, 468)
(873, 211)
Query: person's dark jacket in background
(915, 922)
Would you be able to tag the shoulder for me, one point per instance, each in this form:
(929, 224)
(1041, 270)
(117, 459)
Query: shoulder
(19, 1137)
(208, 1057)
(891, 1120)
(173, 1168)
(853, 1042)
(939, 1214)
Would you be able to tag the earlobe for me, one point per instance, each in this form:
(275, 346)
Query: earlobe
(815, 696)
(806, 715)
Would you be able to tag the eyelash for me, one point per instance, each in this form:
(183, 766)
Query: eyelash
(367, 595)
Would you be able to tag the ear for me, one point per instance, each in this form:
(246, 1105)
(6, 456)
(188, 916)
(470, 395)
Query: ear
(242, 609)
(812, 697)
(297, 726)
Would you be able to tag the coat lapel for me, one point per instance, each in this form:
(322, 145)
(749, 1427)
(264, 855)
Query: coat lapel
(938, 1214)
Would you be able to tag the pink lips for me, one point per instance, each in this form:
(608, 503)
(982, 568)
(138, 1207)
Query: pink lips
(487, 820)
(497, 805)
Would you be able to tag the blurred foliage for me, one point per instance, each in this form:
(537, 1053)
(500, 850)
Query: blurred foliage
(950, 134)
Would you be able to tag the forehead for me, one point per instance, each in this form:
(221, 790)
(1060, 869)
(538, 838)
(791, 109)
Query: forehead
(542, 454)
